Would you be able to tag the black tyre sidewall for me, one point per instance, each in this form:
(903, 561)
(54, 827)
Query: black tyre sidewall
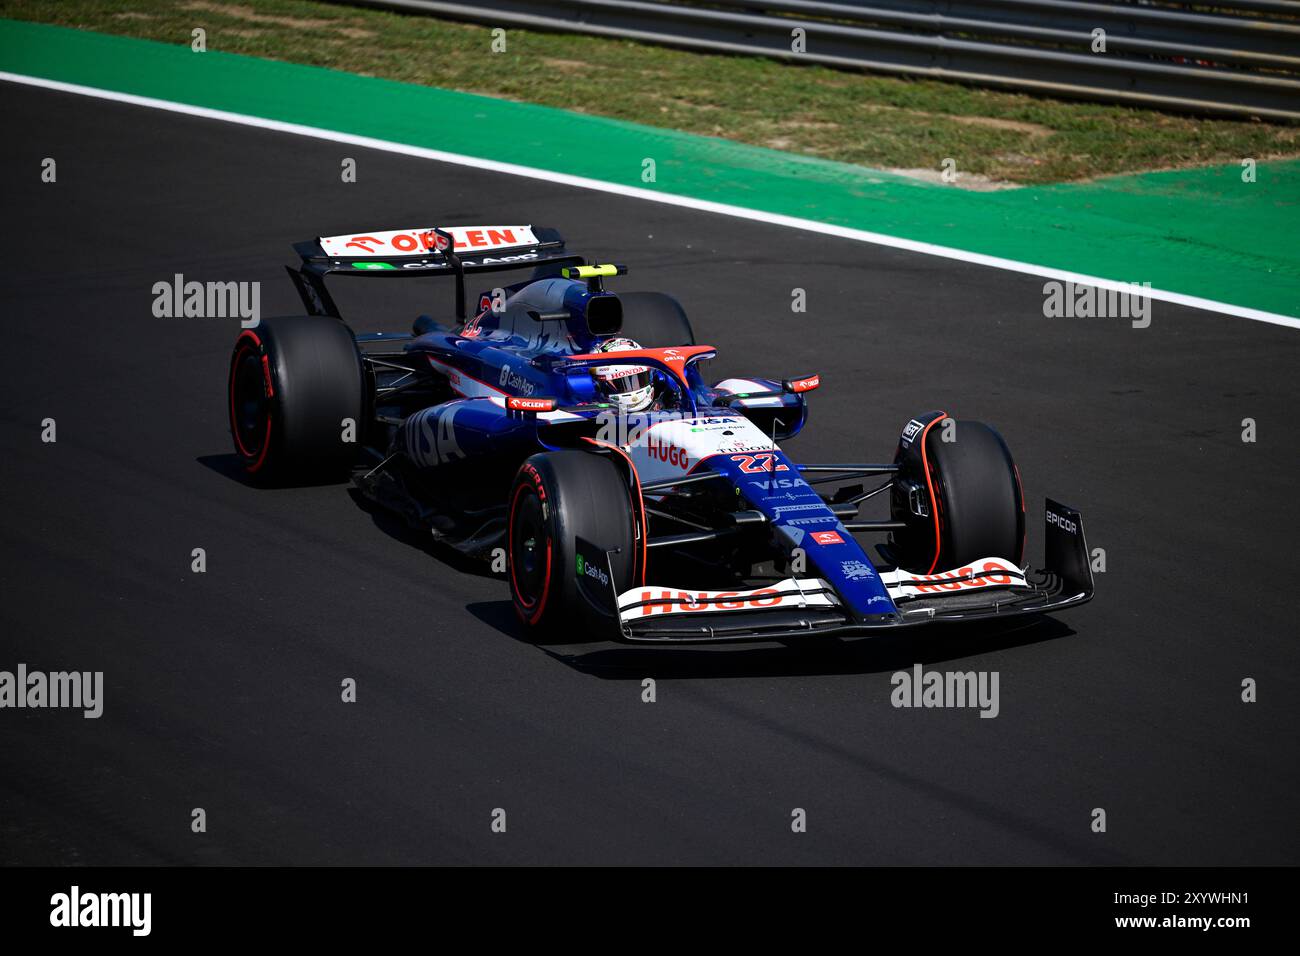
(316, 382)
(585, 495)
(981, 509)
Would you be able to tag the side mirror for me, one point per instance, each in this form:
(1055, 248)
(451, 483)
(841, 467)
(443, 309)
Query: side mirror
(797, 386)
(518, 403)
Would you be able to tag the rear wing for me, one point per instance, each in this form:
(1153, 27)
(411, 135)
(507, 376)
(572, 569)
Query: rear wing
(424, 251)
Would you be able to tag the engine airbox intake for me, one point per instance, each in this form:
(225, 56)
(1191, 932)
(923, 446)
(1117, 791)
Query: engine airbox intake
(603, 314)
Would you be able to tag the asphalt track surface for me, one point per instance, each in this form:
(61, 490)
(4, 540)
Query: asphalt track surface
(222, 689)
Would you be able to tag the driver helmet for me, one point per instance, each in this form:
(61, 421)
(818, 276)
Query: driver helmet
(627, 386)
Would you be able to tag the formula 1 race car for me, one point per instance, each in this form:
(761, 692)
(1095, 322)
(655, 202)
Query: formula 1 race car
(570, 430)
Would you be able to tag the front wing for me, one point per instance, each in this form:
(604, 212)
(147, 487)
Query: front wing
(803, 607)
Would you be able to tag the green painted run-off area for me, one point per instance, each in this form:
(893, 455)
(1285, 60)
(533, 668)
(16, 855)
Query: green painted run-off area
(1200, 232)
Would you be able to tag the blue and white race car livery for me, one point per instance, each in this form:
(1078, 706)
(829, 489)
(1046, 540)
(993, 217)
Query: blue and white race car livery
(568, 434)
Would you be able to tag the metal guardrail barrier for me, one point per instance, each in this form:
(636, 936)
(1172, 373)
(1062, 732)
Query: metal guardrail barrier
(1231, 57)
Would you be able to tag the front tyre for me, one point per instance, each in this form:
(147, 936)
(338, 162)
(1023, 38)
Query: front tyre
(556, 498)
(958, 491)
(295, 384)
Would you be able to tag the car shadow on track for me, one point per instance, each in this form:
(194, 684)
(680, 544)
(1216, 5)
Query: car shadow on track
(794, 658)
(387, 522)
(399, 530)
(229, 466)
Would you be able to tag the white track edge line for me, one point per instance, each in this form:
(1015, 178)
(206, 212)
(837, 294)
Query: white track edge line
(636, 192)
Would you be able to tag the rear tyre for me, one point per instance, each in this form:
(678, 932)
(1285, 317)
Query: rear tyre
(557, 497)
(295, 382)
(974, 496)
(655, 320)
